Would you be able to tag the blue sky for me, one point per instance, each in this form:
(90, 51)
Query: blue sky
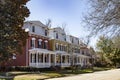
(69, 12)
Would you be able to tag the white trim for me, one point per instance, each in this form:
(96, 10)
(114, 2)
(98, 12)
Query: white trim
(41, 51)
(40, 40)
(33, 39)
(46, 41)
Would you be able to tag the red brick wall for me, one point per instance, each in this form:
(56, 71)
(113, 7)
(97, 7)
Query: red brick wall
(21, 58)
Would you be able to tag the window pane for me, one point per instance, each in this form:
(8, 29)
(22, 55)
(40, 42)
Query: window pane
(33, 28)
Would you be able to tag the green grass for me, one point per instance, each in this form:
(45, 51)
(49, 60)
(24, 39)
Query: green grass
(19, 75)
(100, 69)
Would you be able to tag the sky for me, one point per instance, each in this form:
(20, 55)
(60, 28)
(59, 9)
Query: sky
(69, 12)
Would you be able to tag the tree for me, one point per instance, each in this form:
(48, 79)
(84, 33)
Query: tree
(12, 36)
(49, 23)
(104, 17)
(109, 49)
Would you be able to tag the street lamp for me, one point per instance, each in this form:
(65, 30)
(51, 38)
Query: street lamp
(27, 30)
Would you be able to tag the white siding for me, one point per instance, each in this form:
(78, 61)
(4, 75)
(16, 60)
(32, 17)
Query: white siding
(61, 34)
(39, 28)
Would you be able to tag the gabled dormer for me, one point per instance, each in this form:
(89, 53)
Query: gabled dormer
(36, 27)
(57, 33)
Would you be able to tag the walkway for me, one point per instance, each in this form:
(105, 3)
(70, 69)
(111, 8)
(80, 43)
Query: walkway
(102, 75)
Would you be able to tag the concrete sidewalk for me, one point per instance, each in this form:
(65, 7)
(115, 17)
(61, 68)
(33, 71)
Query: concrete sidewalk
(102, 75)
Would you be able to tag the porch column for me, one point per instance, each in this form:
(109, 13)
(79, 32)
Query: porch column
(36, 59)
(61, 60)
(43, 59)
(55, 59)
(49, 59)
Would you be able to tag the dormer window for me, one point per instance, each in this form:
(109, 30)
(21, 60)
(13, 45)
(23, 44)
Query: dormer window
(45, 32)
(72, 40)
(56, 35)
(65, 39)
(33, 28)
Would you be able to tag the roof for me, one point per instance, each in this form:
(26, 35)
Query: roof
(37, 50)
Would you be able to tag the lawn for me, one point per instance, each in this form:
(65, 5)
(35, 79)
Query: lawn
(18, 75)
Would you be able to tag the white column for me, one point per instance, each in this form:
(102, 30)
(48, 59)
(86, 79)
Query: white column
(61, 59)
(49, 59)
(55, 59)
(43, 59)
(36, 59)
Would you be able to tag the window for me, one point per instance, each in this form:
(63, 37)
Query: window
(56, 35)
(65, 39)
(45, 32)
(78, 41)
(40, 59)
(40, 43)
(33, 42)
(14, 56)
(33, 28)
(72, 40)
(83, 52)
(63, 59)
(58, 59)
(33, 58)
(46, 58)
(61, 47)
(45, 44)
(56, 46)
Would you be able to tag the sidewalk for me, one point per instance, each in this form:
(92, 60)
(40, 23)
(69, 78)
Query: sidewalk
(102, 75)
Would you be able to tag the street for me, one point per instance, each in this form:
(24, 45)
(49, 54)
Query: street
(102, 75)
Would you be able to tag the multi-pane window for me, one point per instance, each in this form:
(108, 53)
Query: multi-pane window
(58, 59)
(56, 35)
(65, 38)
(45, 32)
(45, 44)
(33, 28)
(33, 58)
(33, 42)
(52, 58)
(56, 46)
(61, 47)
(72, 40)
(40, 58)
(65, 48)
(46, 58)
(40, 43)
